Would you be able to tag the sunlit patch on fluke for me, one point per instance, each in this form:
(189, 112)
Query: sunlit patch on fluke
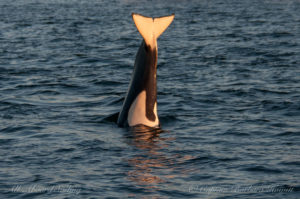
(140, 104)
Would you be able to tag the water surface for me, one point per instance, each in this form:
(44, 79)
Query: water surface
(228, 100)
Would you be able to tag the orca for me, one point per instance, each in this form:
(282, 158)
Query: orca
(140, 104)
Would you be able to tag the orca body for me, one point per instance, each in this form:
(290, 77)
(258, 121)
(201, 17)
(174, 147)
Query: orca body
(140, 105)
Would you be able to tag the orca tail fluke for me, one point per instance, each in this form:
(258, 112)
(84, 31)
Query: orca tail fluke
(151, 28)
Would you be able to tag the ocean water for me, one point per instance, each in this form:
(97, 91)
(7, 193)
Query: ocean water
(228, 100)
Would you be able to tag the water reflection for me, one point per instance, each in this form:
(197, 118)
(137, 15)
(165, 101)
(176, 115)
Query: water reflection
(151, 164)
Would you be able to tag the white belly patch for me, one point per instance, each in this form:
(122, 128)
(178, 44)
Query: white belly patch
(137, 112)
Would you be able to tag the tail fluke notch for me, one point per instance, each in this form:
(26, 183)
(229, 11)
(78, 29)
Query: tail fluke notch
(151, 28)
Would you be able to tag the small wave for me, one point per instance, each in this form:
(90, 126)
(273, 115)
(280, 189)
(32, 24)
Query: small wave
(262, 90)
(236, 92)
(236, 133)
(199, 159)
(6, 141)
(167, 118)
(90, 143)
(11, 108)
(263, 169)
(47, 92)
(41, 135)
(227, 159)
(28, 71)
(279, 124)
(116, 102)
(280, 34)
(65, 150)
(270, 105)
(19, 129)
(289, 133)
(107, 82)
(51, 85)
(91, 60)
(291, 163)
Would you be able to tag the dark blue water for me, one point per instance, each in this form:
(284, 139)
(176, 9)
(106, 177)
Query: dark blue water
(228, 100)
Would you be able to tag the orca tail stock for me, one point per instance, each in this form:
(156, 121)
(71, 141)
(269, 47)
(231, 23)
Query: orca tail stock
(151, 28)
